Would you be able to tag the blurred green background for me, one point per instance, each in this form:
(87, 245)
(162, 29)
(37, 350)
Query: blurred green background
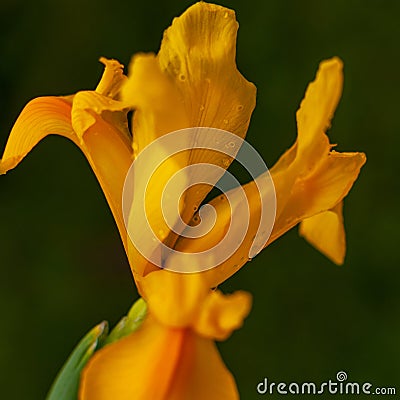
(63, 268)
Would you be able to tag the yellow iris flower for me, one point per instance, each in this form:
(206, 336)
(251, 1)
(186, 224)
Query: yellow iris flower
(193, 81)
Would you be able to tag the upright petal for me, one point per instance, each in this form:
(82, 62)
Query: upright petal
(315, 113)
(193, 81)
(198, 54)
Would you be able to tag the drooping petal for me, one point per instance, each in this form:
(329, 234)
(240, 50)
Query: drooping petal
(202, 373)
(40, 117)
(325, 231)
(101, 126)
(158, 363)
(140, 366)
(96, 123)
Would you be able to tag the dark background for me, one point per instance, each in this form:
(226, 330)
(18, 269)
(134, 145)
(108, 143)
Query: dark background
(63, 268)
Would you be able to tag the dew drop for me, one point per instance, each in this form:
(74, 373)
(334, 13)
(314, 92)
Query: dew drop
(202, 108)
(239, 107)
(225, 162)
(225, 121)
(182, 77)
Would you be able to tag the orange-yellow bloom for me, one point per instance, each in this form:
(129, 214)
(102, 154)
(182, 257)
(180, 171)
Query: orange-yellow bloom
(193, 81)
(172, 356)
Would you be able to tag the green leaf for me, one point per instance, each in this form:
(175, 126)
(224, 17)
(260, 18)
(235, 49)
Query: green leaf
(129, 323)
(66, 384)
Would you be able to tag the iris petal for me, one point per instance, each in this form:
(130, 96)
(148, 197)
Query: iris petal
(325, 231)
(96, 123)
(309, 180)
(140, 366)
(193, 81)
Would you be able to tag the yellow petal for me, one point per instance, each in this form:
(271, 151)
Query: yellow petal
(110, 156)
(156, 99)
(198, 54)
(313, 118)
(101, 125)
(320, 191)
(325, 231)
(140, 366)
(202, 373)
(193, 81)
(94, 122)
(230, 216)
(174, 298)
(222, 314)
(158, 363)
(315, 113)
(40, 117)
